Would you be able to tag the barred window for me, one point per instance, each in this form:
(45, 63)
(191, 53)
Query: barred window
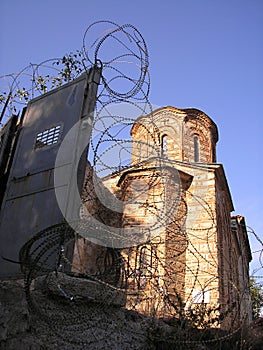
(48, 137)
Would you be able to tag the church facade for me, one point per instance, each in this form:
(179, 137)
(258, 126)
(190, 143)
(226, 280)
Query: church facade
(185, 250)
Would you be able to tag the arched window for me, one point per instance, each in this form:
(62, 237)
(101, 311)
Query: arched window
(196, 148)
(164, 145)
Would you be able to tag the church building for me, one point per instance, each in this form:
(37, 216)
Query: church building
(184, 250)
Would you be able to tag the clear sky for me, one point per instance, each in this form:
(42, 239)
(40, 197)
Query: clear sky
(205, 54)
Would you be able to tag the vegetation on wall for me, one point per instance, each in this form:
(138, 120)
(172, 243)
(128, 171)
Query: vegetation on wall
(256, 294)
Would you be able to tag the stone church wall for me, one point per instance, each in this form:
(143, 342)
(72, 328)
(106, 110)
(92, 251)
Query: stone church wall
(174, 210)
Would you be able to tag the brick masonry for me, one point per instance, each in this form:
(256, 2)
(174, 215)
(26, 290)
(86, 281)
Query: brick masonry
(176, 203)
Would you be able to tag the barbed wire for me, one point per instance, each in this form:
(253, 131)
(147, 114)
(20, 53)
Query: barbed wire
(151, 253)
(259, 252)
(17, 89)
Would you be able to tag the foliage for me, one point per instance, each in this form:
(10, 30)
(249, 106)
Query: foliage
(58, 71)
(256, 294)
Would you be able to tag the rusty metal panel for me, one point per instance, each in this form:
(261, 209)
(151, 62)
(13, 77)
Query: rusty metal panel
(30, 203)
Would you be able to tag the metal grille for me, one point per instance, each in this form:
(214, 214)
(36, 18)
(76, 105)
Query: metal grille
(48, 137)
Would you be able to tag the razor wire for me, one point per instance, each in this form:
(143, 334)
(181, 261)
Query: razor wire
(138, 267)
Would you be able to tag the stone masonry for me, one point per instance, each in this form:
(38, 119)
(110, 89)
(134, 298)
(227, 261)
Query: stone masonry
(177, 210)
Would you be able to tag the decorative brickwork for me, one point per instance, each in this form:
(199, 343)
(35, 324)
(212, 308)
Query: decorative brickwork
(177, 204)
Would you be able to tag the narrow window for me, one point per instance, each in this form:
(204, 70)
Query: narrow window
(143, 264)
(196, 148)
(164, 145)
(48, 137)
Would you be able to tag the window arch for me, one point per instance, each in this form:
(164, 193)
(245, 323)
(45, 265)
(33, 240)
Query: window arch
(164, 145)
(196, 148)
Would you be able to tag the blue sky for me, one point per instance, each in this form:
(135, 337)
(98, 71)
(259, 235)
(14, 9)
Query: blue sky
(204, 54)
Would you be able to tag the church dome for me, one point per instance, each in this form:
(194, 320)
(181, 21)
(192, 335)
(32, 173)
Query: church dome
(186, 135)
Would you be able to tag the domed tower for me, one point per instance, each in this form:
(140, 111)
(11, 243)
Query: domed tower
(185, 135)
(186, 192)
(179, 247)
